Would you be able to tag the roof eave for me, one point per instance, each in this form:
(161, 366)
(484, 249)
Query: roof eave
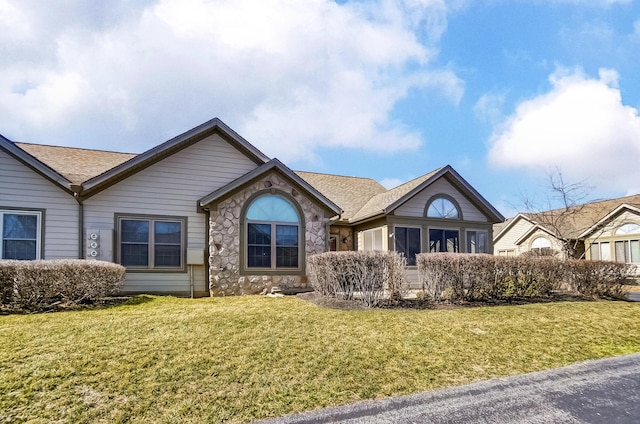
(273, 164)
(34, 164)
(498, 217)
(369, 217)
(511, 224)
(167, 148)
(448, 169)
(607, 217)
(532, 230)
(393, 206)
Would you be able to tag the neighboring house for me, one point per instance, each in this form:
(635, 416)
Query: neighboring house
(608, 230)
(208, 213)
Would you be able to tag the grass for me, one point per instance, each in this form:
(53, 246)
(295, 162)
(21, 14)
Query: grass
(162, 359)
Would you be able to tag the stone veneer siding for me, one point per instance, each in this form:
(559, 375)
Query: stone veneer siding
(225, 276)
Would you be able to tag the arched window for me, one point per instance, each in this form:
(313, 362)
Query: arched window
(272, 233)
(441, 207)
(541, 243)
(628, 228)
(542, 246)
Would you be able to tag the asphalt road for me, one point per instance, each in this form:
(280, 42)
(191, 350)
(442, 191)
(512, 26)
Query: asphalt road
(599, 391)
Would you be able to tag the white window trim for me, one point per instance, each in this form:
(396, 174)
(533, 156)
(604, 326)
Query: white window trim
(616, 233)
(371, 231)
(550, 246)
(38, 215)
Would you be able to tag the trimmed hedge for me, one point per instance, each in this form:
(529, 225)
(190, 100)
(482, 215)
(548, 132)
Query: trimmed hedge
(459, 276)
(365, 276)
(37, 285)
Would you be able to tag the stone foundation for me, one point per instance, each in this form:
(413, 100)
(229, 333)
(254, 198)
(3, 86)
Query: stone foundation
(225, 270)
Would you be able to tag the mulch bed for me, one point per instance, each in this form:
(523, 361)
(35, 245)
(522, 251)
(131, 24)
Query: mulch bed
(60, 306)
(350, 305)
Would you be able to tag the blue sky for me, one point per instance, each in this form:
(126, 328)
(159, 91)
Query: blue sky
(505, 91)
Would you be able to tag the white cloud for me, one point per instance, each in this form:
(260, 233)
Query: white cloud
(581, 126)
(288, 75)
(489, 107)
(593, 3)
(390, 183)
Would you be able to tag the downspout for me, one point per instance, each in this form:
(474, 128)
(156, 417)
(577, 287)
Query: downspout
(76, 195)
(327, 229)
(207, 253)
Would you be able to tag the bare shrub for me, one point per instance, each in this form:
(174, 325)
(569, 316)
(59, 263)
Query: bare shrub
(456, 276)
(35, 285)
(459, 276)
(365, 276)
(600, 278)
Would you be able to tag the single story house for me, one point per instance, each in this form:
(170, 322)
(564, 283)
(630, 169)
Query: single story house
(603, 230)
(206, 213)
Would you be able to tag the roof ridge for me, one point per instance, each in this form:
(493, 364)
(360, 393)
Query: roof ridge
(593, 202)
(428, 174)
(338, 175)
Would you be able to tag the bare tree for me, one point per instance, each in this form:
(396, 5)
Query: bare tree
(566, 213)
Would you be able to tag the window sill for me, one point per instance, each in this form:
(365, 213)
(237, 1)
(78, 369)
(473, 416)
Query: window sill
(271, 271)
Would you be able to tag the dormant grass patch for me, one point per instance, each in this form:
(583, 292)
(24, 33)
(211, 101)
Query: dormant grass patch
(238, 359)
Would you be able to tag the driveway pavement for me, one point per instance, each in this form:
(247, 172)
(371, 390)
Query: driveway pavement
(598, 391)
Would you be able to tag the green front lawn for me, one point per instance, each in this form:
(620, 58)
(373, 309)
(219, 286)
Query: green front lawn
(243, 358)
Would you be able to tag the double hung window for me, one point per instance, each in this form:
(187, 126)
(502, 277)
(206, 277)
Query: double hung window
(372, 239)
(600, 251)
(20, 232)
(151, 243)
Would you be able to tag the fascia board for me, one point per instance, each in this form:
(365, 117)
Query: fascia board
(274, 164)
(167, 148)
(34, 164)
(608, 217)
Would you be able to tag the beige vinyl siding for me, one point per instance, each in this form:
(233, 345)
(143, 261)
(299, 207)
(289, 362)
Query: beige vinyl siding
(171, 187)
(608, 235)
(508, 239)
(416, 206)
(612, 226)
(21, 187)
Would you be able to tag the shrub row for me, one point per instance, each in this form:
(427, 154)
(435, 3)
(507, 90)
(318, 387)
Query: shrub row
(449, 276)
(367, 277)
(36, 285)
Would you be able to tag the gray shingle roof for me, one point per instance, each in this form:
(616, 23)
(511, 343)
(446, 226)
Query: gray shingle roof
(359, 198)
(350, 193)
(76, 165)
